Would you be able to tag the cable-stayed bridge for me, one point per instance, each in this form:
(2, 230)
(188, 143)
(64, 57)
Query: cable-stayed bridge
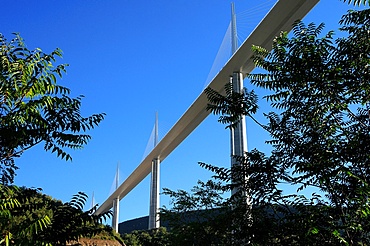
(279, 18)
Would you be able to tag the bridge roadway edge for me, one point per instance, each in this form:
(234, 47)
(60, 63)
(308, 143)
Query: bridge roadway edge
(280, 18)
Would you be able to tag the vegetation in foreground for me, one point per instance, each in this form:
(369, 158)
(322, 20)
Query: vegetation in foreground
(319, 128)
(34, 110)
(319, 135)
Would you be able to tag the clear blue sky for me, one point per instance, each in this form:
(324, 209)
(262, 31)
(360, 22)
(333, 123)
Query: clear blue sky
(130, 59)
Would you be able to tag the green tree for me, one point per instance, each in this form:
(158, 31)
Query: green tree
(23, 214)
(319, 90)
(155, 237)
(34, 108)
(199, 217)
(357, 2)
(29, 217)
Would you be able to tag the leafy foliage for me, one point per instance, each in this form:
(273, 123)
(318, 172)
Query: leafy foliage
(203, 216)
(155, 237)
(319, 90)
(30, 218)
(357, 2)
(24, 217)
(8, 203)
(232, 106)
(34, 108)
(70, 222)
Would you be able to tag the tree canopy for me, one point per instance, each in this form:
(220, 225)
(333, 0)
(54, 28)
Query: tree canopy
(28, 217)
(319, 128)
(34, 109)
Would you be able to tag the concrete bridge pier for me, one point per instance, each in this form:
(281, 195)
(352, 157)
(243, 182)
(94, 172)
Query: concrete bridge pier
(154, 185)
(154, 196)
(238, 135)
(115, 218)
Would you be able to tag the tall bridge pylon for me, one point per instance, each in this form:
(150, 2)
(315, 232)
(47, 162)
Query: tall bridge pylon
(280, 18)
(154, 185)
(115, 218)
(238, 135)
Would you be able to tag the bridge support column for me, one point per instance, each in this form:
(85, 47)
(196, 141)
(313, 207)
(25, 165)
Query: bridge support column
(238, 148)
(115, 218)
(239, 133)
(238, 138)
(154, 196)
